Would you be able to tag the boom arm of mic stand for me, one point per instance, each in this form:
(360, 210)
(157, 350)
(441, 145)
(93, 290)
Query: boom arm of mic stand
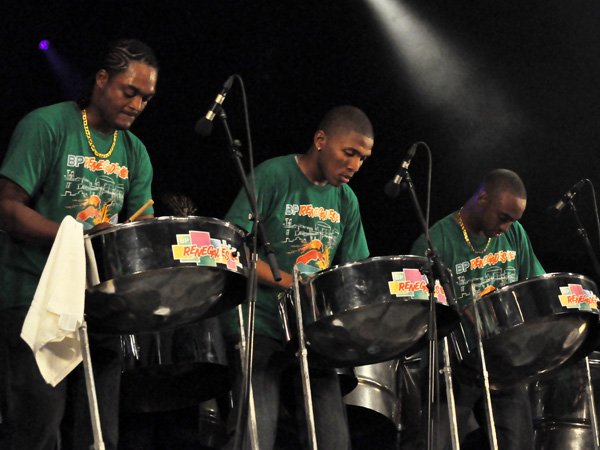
(262, 234)
(586, 241)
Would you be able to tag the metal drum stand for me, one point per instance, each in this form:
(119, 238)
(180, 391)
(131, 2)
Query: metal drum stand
(302, 356)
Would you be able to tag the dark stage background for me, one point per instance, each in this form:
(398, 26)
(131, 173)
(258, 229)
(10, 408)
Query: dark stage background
(530, 101)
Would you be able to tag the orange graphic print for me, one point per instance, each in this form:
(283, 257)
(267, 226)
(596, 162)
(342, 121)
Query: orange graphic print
(313, 251)
(93, 212)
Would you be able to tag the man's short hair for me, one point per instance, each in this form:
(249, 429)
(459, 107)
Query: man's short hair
(345, 119)
(503, 180)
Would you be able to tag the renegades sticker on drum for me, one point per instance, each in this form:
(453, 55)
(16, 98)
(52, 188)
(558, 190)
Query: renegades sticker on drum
(198, 247)
(574, 296)
(412, 283)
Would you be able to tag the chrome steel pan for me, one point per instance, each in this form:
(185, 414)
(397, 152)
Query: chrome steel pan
(174, 369)
(564, 396)
(161, 273)
(531, 328)
(373, 406)
(371, 311)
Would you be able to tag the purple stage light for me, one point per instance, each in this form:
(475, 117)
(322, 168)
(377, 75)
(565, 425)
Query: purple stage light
(44, 45)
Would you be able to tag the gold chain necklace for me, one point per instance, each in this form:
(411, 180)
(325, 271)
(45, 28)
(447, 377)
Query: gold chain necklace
(89, 138)
(462, 226)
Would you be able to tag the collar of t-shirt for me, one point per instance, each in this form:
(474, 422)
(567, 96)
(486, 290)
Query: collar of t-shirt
(313, 182)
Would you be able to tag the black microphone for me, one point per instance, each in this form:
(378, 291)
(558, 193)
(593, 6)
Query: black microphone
(392, 189)
(557, 208)
(204, 125)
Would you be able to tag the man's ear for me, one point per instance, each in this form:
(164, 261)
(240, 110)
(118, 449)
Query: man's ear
(320, 139)
(102, 78)
(482, 197)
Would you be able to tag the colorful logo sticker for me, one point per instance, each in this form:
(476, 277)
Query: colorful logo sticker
(574, 296)
(412, 283)
(198, 248)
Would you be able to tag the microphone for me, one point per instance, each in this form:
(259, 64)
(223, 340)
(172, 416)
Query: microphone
(204, 126)
(392, 189)
(557, 208)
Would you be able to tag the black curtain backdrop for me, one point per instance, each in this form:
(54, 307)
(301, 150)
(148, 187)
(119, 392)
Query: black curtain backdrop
(297, 59)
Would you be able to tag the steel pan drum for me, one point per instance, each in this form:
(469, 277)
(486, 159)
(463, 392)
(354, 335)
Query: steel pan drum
(531, 328)
(412, 376)
(161, 273)
(373, 406)
(560, 407)
(174, 369)
(371, 311)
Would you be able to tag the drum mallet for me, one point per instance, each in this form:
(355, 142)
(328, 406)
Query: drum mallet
(140, 211)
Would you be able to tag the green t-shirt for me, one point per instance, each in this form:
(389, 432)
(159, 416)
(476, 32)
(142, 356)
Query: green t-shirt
(50, 158)
(308, 225)
(509, 257)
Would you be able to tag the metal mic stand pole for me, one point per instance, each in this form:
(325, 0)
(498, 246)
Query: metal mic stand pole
(259, 232)
(249, 397)
(582, 233)
(246, 397)
(437, 272)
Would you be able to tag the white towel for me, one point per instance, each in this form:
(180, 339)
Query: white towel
(56, 313)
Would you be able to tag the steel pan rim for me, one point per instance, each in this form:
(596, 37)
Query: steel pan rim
(545, 276)
(145, 222)
(94, 288)
(363, 261)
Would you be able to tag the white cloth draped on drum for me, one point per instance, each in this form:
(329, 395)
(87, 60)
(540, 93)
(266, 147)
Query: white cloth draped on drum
(56, 313)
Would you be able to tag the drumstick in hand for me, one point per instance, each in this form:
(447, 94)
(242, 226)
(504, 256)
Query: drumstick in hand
(141, 210)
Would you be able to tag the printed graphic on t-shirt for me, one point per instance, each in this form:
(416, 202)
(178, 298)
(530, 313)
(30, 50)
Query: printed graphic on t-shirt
(491, 270)
(313, 243)
(96, 197)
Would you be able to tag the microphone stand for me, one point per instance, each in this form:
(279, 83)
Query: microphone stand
(437, 271)
(582, 233)
(247, 349)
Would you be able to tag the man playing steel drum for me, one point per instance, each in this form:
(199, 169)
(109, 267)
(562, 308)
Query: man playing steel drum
(312, 218)
(487, 225)
(73, 159)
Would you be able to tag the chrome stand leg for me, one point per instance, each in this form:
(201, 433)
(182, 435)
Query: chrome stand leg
(302, 355)
(252, 426)
(484, 372)
(593, 417)
(450, 398)
(91, 388)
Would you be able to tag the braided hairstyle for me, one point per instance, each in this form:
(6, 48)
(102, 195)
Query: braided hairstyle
(116, 60)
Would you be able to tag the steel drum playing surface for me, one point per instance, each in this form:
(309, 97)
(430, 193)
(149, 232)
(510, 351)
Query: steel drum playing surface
(531, 328)
(162, 273)
(372, 310)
